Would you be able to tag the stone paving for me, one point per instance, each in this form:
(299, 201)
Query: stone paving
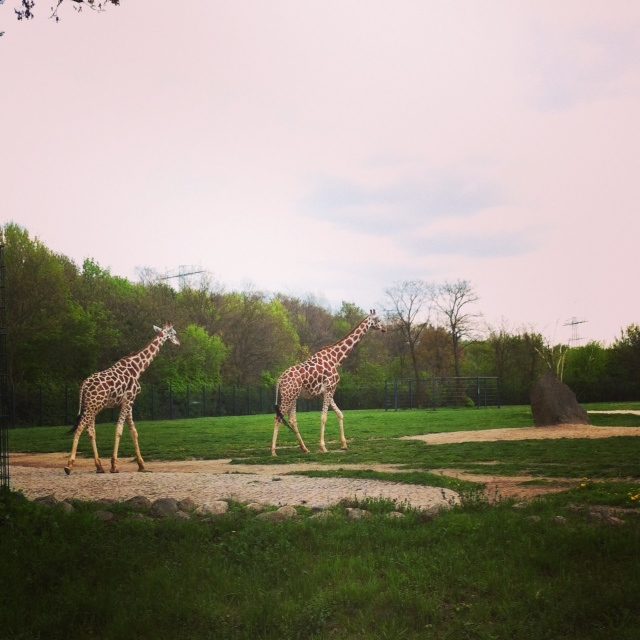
(202, 487)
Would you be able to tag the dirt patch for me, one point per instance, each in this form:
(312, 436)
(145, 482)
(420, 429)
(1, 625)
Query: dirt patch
(504, 487)
(526, 433)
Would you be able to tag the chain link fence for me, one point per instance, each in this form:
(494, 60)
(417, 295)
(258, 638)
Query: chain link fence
(42, 405)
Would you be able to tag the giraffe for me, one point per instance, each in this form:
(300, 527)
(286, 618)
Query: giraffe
(113, 387)
(317, 376)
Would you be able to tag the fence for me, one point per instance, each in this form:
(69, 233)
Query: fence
(4, 417)
(477, 391)
(40, 405)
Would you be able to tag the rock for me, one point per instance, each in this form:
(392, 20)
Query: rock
(214, 508)
(136, 515)
(534, 518)
(182, 515)
(256, 506)
(105, 516)
(47, 501)
(321, 515)
(66, 507)
(139, 502)
(553, 402)
(164, 507)
(392, 515)
(187, 505)
(288, 511)
(280, 515)
(559, 520)
(354, 513)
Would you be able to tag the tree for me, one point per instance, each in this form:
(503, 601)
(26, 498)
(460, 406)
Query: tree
(409, 312)
(27, 7)
(197, 363)
(452, 301)
(260, 336)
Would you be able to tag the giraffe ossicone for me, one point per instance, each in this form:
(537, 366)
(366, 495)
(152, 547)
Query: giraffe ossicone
(117, 386)
(318, 376)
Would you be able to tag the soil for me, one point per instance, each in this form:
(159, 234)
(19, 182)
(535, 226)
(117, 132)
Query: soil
(204, 480)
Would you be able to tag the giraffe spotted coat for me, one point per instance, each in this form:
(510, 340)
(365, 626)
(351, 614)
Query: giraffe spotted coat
(317, 376)
(117, 386)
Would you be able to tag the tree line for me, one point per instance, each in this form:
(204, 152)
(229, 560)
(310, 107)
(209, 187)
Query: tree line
(65, 321)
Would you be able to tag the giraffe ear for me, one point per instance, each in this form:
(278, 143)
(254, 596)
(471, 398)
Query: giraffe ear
(157, 329)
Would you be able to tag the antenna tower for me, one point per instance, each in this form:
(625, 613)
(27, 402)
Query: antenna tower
(573, 323)
(182, 274)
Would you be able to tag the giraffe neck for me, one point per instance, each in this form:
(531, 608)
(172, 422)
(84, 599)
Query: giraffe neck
(144, 358)
(341, 350)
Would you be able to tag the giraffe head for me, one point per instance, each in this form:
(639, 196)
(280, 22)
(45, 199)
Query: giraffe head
(167, 333)
(375, 322)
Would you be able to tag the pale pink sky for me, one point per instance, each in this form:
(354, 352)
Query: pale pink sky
(337, 147)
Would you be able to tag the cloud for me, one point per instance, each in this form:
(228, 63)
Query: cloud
(397, 208)
(472, 245)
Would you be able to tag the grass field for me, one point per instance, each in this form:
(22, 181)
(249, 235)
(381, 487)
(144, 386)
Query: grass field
(546, 570)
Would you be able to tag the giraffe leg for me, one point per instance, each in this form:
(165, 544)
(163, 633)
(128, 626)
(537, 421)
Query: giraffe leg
(293, 420)
(339, 414)
(91, 432)
(116, 444)
(134, 436)
(74, 446)
(323, 423)
(276, 428)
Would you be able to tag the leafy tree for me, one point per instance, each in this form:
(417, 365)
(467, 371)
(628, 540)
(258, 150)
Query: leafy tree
(586, 372)
(260, 336)
(39, 300)
(198, 361)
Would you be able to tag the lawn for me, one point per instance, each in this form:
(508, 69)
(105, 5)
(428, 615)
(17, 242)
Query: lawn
(545, 570)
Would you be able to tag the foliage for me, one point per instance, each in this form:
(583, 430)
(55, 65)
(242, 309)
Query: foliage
(66, 321)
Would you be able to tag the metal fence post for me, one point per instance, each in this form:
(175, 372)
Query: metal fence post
(170, 403)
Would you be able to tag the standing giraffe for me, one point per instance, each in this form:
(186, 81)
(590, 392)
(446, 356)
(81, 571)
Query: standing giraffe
(113, 387)
(317, 376)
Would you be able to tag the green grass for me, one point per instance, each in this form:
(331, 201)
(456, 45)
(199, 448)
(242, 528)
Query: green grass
(476, 571)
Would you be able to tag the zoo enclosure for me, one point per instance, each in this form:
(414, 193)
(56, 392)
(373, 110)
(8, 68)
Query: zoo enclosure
(40, 405)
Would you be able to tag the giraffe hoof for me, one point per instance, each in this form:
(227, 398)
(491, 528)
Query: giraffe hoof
(143, 470)
(67, 470)
(114, 470)
(323, 450)
(99, 470)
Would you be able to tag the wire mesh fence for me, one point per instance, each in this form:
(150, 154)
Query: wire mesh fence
(4, 387)
(42, 405)
(476, 391)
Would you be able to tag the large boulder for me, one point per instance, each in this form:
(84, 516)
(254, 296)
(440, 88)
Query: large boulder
(553, 402)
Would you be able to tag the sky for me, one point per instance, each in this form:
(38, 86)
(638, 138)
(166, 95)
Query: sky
(335, 148)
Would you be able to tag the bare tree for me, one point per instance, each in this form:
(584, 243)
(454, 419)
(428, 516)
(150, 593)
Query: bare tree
(452, 300)
(409, 312)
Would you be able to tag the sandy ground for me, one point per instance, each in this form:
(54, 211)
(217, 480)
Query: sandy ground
(205, 480)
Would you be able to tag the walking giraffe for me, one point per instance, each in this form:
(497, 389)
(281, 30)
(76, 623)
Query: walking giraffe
(317, 376)
(117, 386)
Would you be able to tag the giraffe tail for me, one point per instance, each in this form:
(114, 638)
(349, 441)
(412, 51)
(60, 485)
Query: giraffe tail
(77, 423)
(80, 414)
